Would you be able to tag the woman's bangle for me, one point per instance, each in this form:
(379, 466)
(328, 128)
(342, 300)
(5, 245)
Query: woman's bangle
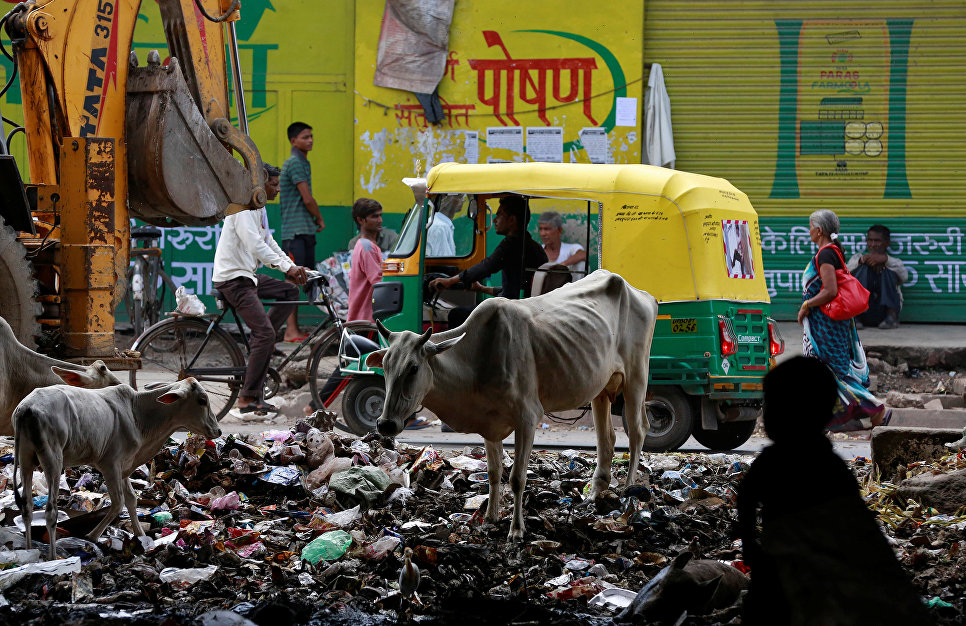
(806, 305)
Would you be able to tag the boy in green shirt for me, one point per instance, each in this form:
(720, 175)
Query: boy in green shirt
(301, 218)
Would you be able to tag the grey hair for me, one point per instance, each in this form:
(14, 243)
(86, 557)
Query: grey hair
(551, 217)
(826, 220)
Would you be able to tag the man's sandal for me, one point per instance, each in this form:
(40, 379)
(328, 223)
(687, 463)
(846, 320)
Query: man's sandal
(259, 407)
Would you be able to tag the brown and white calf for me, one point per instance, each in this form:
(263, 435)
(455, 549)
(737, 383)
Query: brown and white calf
(116, 430)
(22, 370)
(513, 360)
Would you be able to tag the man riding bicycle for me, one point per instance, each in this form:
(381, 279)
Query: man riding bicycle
(245, 244)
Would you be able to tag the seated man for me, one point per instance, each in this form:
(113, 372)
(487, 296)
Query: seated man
(244, 245)
(515, 257)
(440, 237)
(573, 255)
(882, 275)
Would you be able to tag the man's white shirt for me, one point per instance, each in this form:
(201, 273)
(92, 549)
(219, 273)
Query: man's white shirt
(245, 244)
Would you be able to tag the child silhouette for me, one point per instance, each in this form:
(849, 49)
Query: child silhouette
(820, 557)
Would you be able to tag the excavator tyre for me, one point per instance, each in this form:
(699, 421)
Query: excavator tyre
(179, 171)
(17, 288)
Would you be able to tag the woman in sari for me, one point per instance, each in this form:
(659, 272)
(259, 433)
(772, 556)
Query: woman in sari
(835, 343)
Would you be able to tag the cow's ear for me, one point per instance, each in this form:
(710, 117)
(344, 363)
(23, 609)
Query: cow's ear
(75, 379)
(171, 397)
(442, 346)
(375, 358)
(681, 560)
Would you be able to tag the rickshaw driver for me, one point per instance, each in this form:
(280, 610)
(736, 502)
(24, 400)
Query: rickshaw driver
(512, 256)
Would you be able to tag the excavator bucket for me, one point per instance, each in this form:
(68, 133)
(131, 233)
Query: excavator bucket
(180, 169)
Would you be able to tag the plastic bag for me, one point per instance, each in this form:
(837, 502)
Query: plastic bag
(327, 546)
(187, 576)
(188, 303)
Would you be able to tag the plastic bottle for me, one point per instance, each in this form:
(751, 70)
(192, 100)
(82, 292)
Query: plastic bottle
(327, 547)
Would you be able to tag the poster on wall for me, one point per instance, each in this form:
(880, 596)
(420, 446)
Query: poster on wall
(545, 144)
(510, 66)
(844, 132)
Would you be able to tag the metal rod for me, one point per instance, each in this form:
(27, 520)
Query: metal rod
(237, 79)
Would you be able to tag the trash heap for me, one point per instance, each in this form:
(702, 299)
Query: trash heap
(930, 544)
(307, 525)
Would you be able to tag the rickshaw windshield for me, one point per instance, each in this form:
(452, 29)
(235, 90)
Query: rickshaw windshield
(409, 237)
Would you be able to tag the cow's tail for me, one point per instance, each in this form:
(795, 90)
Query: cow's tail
(16, 463)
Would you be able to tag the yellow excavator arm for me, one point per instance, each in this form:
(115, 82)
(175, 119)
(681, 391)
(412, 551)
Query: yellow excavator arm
(110, 139)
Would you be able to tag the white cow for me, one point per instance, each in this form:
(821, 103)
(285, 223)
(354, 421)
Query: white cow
(513, 360)
(115, 430)
(22, 370)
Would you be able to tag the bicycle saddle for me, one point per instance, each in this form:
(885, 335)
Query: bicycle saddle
(146, 232)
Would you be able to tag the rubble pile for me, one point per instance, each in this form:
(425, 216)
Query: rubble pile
(931, 544)
(310, 526)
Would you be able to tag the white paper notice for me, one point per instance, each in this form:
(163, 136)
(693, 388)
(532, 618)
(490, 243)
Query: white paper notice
(471, 146)
(626, 112)
(505, 138)
(545, 143)
(594, 141)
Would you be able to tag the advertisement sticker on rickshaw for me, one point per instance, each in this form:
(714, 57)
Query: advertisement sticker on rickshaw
(737, 247)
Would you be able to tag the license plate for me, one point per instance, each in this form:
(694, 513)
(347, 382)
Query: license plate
(684, 325)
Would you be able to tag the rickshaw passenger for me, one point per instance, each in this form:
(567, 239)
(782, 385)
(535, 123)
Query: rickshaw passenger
(573, 255)
(517, 252)
(440, 238)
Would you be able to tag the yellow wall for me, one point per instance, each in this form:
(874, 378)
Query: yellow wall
(393, 142)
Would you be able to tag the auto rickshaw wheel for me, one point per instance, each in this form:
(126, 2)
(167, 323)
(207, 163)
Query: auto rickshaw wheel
(362, 403)
(17, 288)
(729, 435)
(669, 419)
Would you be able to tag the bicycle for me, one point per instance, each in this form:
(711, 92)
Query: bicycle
(147, 280)
(197, 346)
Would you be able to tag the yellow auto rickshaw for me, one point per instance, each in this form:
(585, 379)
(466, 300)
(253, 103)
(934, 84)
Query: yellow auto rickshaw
(691, 241)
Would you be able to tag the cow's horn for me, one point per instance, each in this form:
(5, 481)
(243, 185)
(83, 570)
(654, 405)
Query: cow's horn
(425, 337)
(383, 330)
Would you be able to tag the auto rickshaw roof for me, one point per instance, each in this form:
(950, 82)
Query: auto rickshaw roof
(574, 180)
(701, 232)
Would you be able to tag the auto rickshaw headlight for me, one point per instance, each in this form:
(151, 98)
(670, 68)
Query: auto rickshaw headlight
(729, 344)
(776, 344)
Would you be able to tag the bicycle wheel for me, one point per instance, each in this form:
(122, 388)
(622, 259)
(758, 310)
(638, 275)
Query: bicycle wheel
(170, 346)
(324, 379)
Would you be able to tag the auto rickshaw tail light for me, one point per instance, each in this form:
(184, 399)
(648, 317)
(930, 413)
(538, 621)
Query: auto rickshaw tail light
(729, 345)
(776, 344)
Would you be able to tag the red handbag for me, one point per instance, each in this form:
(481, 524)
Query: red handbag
(852, 298)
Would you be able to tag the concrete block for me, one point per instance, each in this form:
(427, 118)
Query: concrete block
(949, 401)
(944, 492)
(958, 386)
(902, 400)
(933, 405)
(929, 418)
(894, 446)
